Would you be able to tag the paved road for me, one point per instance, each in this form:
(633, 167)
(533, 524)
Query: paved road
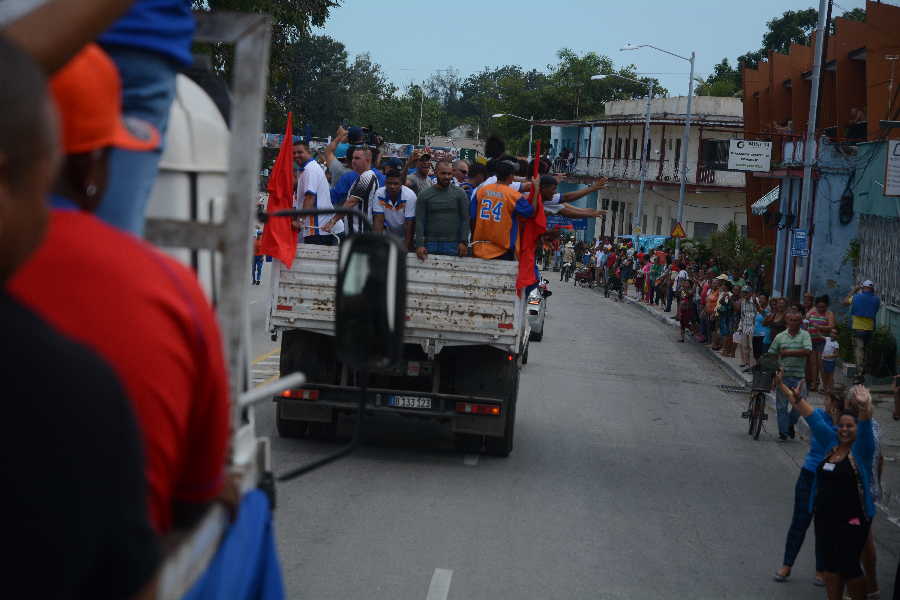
(632, 477)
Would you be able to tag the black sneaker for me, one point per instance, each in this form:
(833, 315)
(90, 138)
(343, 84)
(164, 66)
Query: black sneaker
(782, 437)
(791, 432)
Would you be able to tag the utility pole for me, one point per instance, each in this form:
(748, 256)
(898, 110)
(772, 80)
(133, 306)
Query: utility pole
(809, 146)
(684, 153)
(645, 157)
(421, 107)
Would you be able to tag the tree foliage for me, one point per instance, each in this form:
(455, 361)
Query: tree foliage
(724, 81)
(734, 252)
(792, 27)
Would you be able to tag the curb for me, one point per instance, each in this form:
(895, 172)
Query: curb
(729, 369)
(890, 503)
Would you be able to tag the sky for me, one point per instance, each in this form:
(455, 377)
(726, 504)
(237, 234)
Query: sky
(413, 38)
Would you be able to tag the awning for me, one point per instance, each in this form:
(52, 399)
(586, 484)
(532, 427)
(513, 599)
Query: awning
(759, 207)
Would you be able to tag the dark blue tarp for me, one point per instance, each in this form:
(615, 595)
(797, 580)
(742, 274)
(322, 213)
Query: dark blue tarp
(246, 565)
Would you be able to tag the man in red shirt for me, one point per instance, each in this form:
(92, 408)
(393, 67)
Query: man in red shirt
(140, 310)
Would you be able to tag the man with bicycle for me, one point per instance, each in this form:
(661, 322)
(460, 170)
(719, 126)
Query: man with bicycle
(793, 347)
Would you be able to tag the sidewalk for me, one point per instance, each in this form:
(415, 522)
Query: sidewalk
(882, 400)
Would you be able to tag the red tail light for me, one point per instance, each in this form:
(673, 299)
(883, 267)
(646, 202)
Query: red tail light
(471, 408)
(301, 394)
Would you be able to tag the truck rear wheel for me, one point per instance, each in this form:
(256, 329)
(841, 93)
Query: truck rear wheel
(289, 428)
(502, 446)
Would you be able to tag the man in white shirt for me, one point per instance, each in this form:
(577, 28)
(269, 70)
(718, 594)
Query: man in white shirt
(313, 191)
(600, 265)
(394, 208)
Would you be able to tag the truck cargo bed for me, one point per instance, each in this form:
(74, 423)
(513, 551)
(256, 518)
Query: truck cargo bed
(450, 301)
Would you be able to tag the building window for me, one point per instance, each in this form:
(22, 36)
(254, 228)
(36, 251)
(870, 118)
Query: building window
(677, 156)
(627, 146)
(609, 148)
(649, 146)
(630, 223)
(605, 204)
(634, 153)
(702, 231)
(714, 154)
(619, 148)
(658, 225)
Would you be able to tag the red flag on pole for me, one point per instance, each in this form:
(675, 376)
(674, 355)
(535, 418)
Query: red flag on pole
(534, 229)
(279, 238)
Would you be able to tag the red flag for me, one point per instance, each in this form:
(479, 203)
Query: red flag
(534, 228)
(279, 238)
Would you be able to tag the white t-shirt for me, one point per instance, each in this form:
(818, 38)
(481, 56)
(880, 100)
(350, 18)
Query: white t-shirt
(830, 351)
(313, 181)
(395, 214)
(515, 185)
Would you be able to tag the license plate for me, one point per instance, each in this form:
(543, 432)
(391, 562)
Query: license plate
(409, 402)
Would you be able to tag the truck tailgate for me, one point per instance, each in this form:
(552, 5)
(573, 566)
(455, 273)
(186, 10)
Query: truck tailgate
(450, 301)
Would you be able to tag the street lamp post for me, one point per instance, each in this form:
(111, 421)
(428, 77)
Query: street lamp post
(530, 128)
(684, 136)
(645, 156)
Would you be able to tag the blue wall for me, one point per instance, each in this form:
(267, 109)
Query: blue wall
(868, 192)
(831, 238)
(589, 201)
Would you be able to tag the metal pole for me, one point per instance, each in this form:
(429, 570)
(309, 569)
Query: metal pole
(530, 132)
(684, 153)
(809, 146)
(421, 107)
(645, 157)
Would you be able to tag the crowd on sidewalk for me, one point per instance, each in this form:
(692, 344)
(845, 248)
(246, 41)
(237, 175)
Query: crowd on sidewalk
(730, 312)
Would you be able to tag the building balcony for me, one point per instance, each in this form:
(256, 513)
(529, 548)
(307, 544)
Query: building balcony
(658, 171)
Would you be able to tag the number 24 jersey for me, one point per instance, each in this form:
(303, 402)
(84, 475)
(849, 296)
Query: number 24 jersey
(497, 209)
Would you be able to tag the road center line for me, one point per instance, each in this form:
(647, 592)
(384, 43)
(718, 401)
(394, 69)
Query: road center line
(440, 585)
(471, 460)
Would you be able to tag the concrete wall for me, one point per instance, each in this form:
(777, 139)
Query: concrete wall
(702, 105)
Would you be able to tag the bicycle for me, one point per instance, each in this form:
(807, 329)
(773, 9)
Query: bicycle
(763, 376)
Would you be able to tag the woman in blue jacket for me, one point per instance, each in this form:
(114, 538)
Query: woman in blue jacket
(841, 495)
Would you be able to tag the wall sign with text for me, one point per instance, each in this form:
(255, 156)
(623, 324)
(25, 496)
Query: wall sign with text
(749, 155)
(892, 169)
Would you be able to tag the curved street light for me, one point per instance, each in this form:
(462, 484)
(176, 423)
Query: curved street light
(684, 135)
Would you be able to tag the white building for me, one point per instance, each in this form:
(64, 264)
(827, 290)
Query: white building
(611, 147)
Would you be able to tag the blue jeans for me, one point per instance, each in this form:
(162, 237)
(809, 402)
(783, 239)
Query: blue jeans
(800, 521)
(148, 88)
(787, 418)
(443, 248)
(257, 267)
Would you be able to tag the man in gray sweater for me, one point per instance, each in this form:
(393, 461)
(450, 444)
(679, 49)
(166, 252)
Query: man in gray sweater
(442, 217)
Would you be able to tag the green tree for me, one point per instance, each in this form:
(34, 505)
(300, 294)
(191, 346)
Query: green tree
(291, 24)
(734, 252)
(317, 90)
(725, 80)
(792, 27)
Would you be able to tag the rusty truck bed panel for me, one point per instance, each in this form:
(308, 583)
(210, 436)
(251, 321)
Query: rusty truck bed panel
(451, 301)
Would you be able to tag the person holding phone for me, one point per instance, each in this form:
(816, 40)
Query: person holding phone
(841, 494)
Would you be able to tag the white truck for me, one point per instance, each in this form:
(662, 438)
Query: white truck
(466, 338)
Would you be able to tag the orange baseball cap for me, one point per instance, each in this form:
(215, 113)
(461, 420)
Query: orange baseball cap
(88, 95)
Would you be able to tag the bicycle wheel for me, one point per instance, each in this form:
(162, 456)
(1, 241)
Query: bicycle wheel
(749, 413)
(759, 409)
